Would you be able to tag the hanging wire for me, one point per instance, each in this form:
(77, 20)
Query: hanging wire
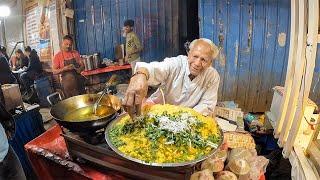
(162, 94)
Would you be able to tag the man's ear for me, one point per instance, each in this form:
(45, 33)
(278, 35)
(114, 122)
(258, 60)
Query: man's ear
(187, 47)
(211, 62)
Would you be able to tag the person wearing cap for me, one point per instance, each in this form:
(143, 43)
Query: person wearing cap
(188, 81)
(133, 46)
(68, 65)
(33, 70)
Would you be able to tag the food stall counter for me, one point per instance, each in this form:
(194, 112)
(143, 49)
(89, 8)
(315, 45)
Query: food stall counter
(106, 69)
(50, 159)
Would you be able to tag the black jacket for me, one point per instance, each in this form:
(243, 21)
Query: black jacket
(6, 55)
(6, 76)
(34, 62)
(22, 62)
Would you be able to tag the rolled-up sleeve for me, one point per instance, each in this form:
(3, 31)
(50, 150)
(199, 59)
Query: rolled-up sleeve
(158, 71)
(209, 99)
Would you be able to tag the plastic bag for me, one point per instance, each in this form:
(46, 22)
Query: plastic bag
(220, 154)
(242, 153)
(214, 165)
(239, 166)
(226, 175)
(202, 175)
(258, 165)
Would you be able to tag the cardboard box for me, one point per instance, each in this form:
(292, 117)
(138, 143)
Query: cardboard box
(230, 114)
(12, 96)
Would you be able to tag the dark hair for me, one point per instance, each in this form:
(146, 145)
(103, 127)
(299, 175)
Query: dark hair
(33, 53)
(68, 37)
(3, 49)
(128, 22)
(27, 49)
(19, 51)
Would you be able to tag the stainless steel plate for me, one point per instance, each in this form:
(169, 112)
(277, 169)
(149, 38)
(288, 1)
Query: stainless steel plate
(187, 163)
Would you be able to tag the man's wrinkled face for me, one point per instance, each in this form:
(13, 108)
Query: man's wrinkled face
(199, 58)
(67, 45)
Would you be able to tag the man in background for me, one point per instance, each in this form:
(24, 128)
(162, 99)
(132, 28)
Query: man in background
(33, 70)
(4, 52)
(133, 46)
(6, 76)
(68, 64)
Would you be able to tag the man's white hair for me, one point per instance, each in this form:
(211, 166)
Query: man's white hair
(213, 48)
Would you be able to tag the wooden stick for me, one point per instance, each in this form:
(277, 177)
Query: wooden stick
(290, 69)
(297, 72)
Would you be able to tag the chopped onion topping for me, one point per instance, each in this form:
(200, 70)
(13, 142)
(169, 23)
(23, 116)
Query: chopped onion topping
(180, 124)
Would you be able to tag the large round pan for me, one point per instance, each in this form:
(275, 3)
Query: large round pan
(187, 163)
(62, 108)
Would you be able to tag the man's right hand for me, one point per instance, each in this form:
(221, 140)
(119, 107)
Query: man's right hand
(136, 92)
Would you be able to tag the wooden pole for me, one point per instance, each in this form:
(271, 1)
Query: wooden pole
(298, 71)
(290, 69)
(310, 55)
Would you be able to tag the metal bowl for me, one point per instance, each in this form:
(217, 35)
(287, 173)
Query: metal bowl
(62, 108)
(187, 163)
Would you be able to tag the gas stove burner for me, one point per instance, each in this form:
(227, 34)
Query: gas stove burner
(91, 137)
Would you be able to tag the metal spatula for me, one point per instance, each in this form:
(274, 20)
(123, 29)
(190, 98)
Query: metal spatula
(112, 81)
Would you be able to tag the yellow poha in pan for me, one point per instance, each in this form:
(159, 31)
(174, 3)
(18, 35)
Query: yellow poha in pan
(166, 134)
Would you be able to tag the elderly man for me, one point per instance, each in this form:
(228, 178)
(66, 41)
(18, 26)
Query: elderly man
(188, 81)
(68, 64)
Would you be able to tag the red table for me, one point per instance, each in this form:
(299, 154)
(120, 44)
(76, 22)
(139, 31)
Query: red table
(45, 167)
(96, 78)
(105, 70)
